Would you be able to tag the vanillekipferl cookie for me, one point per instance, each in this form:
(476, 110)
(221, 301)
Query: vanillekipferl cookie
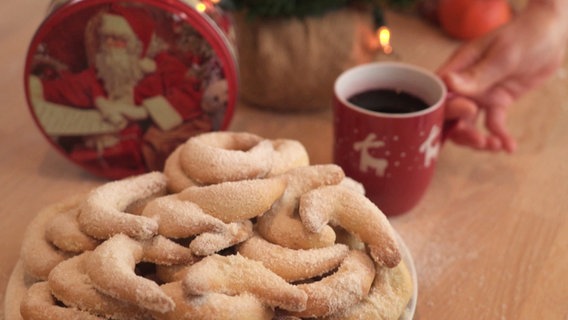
(249, 229)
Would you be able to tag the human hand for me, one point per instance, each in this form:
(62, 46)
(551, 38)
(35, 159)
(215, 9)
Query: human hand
(486, 75)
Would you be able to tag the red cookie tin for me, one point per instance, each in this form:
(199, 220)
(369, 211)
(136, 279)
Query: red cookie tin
(116, 86)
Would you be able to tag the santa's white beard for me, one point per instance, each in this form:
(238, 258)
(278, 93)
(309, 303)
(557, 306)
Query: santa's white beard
(120, 71)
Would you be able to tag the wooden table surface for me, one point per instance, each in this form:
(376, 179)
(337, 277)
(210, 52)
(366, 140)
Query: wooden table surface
(489, 239)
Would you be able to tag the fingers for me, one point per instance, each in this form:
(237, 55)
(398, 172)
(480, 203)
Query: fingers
(495, 122)
(466, 112)
(476, 67)
(463, 57)
(461, 108)
(469, 134)
(475, 80)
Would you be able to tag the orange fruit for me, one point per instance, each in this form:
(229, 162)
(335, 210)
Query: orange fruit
(468, 19)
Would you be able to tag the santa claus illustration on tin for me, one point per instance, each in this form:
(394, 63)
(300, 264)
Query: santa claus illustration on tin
(133, 103)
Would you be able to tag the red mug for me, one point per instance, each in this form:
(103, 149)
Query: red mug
(392, 154)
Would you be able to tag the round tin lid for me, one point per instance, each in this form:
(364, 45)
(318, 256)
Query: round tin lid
(116, 86)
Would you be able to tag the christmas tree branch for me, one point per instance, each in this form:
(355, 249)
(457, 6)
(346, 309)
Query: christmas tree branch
(303, 8)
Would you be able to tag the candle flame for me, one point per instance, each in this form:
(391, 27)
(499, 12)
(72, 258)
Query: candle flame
(384, 35)
(201, 7)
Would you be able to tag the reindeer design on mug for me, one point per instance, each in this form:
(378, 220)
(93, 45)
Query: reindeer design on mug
(367, 160)
(429, 148)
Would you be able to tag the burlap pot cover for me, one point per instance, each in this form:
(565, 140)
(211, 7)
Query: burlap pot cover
(290, 64)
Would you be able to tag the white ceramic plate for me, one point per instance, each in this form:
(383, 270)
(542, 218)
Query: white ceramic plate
(16, 287)
(407, 258)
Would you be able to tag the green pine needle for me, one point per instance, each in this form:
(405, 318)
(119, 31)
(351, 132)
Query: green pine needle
(302, 8)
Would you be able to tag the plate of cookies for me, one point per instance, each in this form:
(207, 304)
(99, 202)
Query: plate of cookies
(236, 226)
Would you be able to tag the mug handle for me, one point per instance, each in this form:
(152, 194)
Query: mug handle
(448, 125)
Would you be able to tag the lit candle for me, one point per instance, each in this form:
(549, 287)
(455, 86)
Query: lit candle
(383, 34)
(201, 7)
